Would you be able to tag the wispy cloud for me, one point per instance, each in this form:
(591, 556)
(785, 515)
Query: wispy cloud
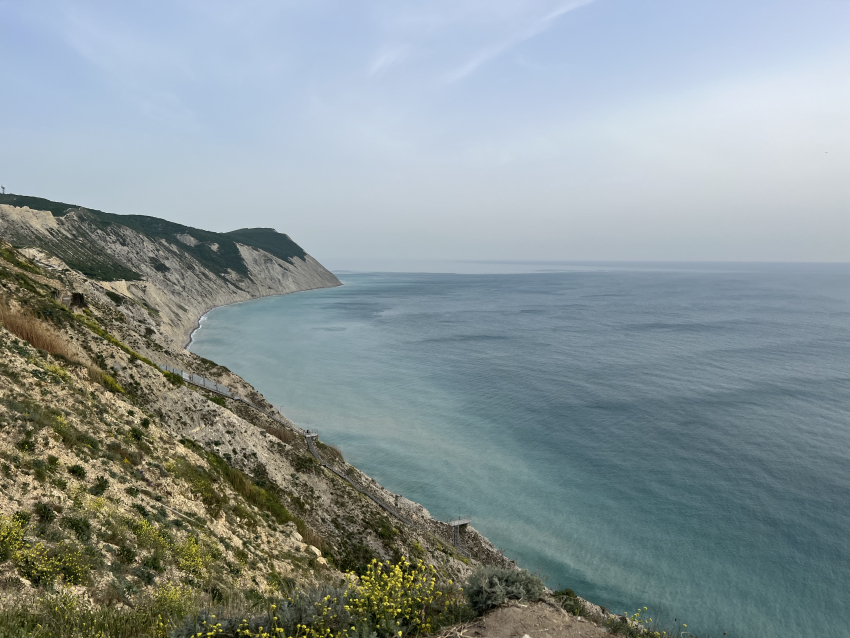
(488, 53)
(388, 58)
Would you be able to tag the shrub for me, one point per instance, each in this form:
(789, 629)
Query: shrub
(72, 437)
(115, 297)
(132, 491)
(96, 375)
(34, 564)
(101, 484)
(43, 567)
(11, 536)
(149, 536)
(304, 463)
(396, 598)
(44, 513)
(175, 379)
(26, 444)
(111, 384)
(119, 453)
(77, 470)
(126, 555)
(194, 556)
(77, 524)
(383, 528)
(490, 586)
(568, 600)
(22, 517)
(202, 484)
(58, 371)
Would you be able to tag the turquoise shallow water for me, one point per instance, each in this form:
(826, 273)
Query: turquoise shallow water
(677, 438)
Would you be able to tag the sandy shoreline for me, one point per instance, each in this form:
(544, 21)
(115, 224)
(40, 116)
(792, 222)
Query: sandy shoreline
(236, 303)
(198, 326)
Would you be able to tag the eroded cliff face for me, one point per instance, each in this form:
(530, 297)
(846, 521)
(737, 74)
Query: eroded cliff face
(235, 472)
(168, 280)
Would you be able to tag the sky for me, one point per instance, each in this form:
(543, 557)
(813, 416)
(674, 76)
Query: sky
(704, 130)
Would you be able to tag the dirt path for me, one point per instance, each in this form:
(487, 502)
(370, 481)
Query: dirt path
(535, 620)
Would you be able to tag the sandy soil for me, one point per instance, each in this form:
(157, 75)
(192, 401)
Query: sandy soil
(535, 620)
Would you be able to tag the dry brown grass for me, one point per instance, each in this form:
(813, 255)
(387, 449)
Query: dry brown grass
(95, 375)
(312, 538)
(284, 434)
(330, 452)
(29, 328)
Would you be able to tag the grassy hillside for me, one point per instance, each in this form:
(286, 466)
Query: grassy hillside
(114, 521)
(133, 504)
(216, 251)
(268, 239)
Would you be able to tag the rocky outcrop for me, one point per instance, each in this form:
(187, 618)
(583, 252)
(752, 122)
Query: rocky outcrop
(176, 276)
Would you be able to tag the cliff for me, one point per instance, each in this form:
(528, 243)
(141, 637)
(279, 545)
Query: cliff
(179, 271)
(121, 479)
(137, 500)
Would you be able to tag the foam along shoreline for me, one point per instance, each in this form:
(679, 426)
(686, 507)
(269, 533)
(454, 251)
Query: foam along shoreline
(197, 327)
(203, 317)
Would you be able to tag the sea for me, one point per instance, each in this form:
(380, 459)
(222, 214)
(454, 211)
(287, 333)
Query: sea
(669, 436)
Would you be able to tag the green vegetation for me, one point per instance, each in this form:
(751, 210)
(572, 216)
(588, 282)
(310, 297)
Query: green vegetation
(174, 379)
(81, 527)
(390, 600)
(491, 586)
(571, 603)
(16, 259)
(84, 255)
(268, 239)
(80, 253)
(115, 297)
(73, 437)
(202, 482)
(34, 561)
(77, 470)
(58, 209)
(100, 486)
(158, 536)
(92, 325)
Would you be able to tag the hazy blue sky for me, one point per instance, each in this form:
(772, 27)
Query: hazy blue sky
(476, 129)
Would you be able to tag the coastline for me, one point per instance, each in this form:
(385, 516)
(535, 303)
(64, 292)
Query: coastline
(198, 327)
(241, 301)
(411, 512)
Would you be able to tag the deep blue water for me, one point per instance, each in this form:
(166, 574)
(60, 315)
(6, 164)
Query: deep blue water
(677, 438)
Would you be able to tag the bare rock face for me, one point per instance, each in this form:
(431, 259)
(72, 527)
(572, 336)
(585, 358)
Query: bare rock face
(176, 273)
(411, 508)
(141, 454)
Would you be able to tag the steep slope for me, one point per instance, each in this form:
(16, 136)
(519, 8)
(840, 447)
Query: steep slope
(122, 481)
(180, 271)
(134, 503)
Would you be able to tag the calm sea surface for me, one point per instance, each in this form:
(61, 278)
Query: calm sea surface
(677, 437)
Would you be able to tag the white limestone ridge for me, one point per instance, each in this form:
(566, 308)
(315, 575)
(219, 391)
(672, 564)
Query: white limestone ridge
(171, 279)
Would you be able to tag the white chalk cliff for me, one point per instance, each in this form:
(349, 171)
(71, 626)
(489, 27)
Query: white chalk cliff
(164, 272)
